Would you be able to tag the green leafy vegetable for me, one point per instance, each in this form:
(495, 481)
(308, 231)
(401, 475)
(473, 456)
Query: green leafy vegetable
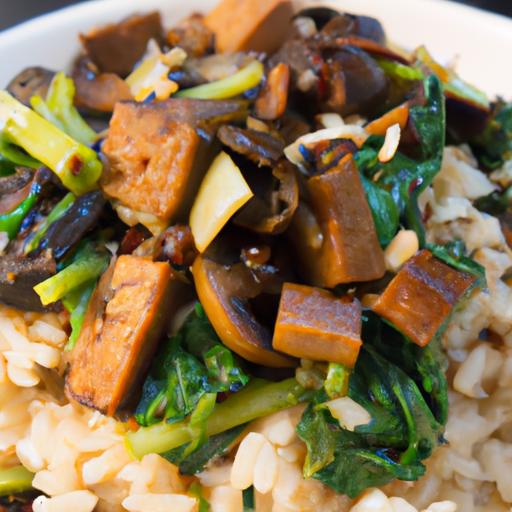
(15, 480)
(190, 365)
(214, 447)
(248, 500)
(385, 212)
(58, 211)
(496, 203)
(259, 398)
(404, 389)
(60, 110)
(77, 166)
(89, 262)
(454, 255)
(403, 179)
(494, 145)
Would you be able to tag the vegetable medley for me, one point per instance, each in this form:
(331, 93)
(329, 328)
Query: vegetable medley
(230, 216)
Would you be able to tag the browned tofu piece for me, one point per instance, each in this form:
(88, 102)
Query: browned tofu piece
(151, 158)
(117, 47)
(156, 157)
(125, 319)
(260, 25)
(421, 296)
(315, 324)
(334, 233)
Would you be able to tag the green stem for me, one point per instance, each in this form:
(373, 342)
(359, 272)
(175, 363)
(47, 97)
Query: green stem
(60, 102)
(247, 78)
(87, 266)
(15, 480)
(76, 302)
(58, 211)
(336, 383)
(10, 222)
(77, 166)
(259, 398)
(12, 155)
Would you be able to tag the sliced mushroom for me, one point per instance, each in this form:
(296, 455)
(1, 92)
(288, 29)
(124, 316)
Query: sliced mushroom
(271, 210)
(80, 218)
(355, 83)
(332, 23)
(352, 25)
(465, 119)
(225, 292)
(29, 82)
(320, 15)
(14, 188)
(262, 148)
(367, 45)
(97, 91)
(304, 61)
(19, 275)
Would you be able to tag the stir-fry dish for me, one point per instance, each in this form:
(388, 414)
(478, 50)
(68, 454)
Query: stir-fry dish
(254, 262)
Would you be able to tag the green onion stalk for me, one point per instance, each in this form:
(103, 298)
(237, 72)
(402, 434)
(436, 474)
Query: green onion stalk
(15, 480)
(89, 263)
(77, 166)
(60, 110)
(11, 156)
(259, 398)
(76, 302)
(247, 78)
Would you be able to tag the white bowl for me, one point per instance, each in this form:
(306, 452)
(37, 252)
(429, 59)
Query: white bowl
(480, 42)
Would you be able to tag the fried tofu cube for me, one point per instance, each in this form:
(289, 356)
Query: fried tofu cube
(125, 319)
(420, 298)
(315, 324)
(240, 25)
(151, 159)
(117, 47)
(334, 232)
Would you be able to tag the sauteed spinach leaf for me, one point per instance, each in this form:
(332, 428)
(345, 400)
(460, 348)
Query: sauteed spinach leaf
(189, 365)
(404, 389)
(393, 188)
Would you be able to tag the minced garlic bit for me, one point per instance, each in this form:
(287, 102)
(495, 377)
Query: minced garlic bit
(348, 412)
(402, 247)
(391, 142)
(330, 120)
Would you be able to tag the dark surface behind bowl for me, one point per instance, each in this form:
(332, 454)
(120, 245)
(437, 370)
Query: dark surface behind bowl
(16, 11)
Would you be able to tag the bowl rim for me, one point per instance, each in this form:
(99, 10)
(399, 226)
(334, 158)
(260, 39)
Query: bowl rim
(453, 32)
(76, 10)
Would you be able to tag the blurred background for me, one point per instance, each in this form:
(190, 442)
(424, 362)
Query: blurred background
(16, 11)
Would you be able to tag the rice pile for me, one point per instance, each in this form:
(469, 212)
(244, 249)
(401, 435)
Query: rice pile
(81, 463)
